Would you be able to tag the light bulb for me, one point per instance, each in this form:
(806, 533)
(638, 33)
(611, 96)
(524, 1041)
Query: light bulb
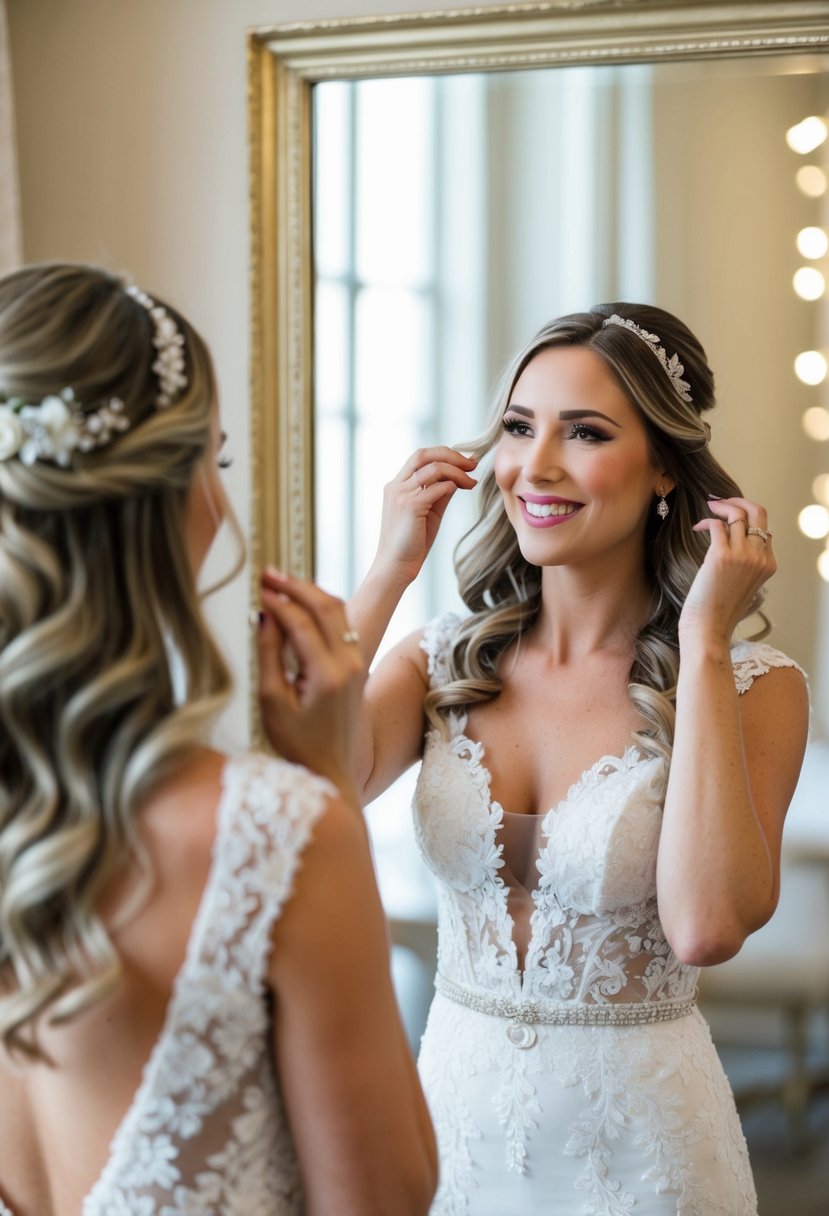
(812, 242)
(811, 181)
(813, 521)
(823, 565)
(810, 366)
(816, 423)
(807, 135)
(809, 283)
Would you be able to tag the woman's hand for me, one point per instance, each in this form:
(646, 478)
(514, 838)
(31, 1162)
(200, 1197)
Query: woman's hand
(413, 506)
(311, 676)
(738, 562)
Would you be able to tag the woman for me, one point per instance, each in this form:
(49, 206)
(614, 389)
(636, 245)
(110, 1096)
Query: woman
(565, 1063)
(195, 1004)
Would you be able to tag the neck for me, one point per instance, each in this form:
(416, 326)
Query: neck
(588, 610)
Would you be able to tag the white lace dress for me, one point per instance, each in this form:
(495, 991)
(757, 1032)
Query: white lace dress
(566, 1066)
(206, 1131)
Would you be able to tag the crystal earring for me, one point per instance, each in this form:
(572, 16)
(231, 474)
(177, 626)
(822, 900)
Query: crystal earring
(662, 508)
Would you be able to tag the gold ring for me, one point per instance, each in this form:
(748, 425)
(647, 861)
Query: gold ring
(729, 523)
(350, 636)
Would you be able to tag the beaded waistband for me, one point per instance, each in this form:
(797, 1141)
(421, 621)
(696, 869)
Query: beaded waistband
(523, 1015)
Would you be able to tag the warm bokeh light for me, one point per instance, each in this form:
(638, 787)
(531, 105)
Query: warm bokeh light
(810, 366)
(820, 488)
(813, 521)
(816, 423)
(812, 242)
(823, 565)
(807, 135)
(809, 283)
(811, 181)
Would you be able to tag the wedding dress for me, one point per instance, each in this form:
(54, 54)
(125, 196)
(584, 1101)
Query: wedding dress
(566, 1066)
(206, 1131)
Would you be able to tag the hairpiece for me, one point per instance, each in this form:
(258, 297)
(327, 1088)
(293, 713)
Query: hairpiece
(673, 368)
(53, 428)
(169, 346)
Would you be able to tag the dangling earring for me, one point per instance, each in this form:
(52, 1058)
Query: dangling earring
(662, 508)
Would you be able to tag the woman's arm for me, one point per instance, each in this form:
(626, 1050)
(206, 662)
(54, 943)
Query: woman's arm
(354, 1102)
(735, 760)
(389, 724)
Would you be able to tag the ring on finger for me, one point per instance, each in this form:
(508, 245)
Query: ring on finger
(350, 636)
(729, 523)
(763, 533)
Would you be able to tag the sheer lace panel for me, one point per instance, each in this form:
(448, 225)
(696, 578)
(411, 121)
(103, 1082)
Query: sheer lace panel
(520, 839)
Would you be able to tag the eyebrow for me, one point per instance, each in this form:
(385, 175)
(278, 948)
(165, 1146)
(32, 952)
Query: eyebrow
(566, 415)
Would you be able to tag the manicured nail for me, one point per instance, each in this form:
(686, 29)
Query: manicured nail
(256, 619)
(714, 497)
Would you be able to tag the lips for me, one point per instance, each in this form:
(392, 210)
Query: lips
(546, 510)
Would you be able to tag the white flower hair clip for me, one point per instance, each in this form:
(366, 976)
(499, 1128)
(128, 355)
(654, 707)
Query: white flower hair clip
(169, 347)
(673, 368)
(54, 428)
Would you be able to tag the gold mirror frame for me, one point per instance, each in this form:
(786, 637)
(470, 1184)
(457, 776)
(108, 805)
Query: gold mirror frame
(286, 61)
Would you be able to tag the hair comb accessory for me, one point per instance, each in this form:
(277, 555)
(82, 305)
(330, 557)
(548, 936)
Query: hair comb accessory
(55, 427)
(673, 368)
(169, 347)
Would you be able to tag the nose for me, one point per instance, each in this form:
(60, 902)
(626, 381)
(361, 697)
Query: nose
(542, 463)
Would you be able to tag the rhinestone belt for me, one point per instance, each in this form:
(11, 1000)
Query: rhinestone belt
(523, 1015)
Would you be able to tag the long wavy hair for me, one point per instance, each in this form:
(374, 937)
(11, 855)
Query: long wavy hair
(503, 591)
(100, 624)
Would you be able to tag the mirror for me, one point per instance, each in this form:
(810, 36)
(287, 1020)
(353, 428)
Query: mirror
(427, 191)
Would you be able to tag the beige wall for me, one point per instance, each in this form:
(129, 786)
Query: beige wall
(131, 126)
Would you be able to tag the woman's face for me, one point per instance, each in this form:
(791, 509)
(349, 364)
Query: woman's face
(573, 463)
(206, 503)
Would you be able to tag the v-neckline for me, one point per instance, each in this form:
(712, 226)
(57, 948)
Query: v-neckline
(471, 752)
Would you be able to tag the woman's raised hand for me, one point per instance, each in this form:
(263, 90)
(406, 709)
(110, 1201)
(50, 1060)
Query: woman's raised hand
(738, 562)
(414, 503)
(311, 676)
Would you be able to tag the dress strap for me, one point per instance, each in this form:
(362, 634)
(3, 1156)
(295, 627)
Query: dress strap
(753, 659)
(436, 642)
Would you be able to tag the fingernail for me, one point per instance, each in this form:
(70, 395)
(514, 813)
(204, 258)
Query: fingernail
(256, 619)
(714, 497)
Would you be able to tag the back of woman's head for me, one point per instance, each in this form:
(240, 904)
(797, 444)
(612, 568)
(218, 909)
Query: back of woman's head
(106, 398)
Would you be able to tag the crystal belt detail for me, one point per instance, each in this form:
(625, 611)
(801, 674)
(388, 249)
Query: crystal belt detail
(523, 1015)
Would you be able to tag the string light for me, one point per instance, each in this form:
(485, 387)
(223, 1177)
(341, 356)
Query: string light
(809, 283)
(812, 242)
(811, 181)
(810, 367)
(807, 135)
(813, 521)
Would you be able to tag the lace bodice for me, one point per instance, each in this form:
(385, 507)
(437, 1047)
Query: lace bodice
(206, 1131)
(592, 933)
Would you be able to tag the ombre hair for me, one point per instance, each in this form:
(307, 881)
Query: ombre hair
(100, 626)
(503, 591)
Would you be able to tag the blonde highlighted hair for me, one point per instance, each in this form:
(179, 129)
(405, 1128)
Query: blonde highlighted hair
(99, 612)
(503, 591)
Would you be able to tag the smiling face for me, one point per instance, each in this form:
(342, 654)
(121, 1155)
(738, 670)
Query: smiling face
(573, 464)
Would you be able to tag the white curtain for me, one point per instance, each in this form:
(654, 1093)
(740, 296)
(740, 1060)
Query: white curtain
(11, 249)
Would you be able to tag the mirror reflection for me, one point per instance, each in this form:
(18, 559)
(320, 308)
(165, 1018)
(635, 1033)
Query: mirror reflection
(455, 215)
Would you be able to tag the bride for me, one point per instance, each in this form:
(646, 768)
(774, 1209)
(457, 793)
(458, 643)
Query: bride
(605, 774)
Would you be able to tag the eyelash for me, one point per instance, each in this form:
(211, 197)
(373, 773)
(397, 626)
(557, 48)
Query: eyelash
(577, 430)
(224, 462)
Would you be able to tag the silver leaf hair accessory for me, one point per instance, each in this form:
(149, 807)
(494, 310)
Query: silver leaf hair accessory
(55, 427)
(169, 347)
(673, 368)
